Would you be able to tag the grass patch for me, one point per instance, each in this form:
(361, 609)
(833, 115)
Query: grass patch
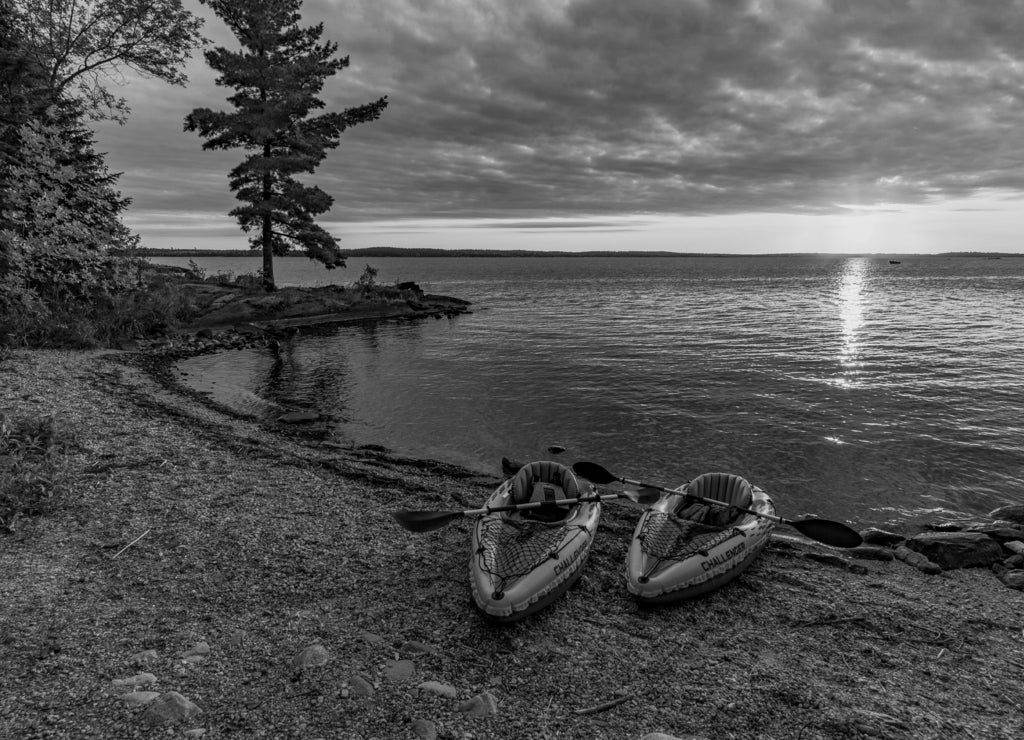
(34, 473)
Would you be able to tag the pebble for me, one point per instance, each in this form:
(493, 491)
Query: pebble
(143, 658)
(198, 651)
(438, 688)
(399, 670)
(481, 705)
(170, 708)
(313, 656)
(138, 698)
(197, 732)
(139, 679)
(424, 729)
(415, 648)
(360, 686)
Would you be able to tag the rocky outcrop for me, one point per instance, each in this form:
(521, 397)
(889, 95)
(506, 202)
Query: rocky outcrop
(1012, 513)
(951, 550)
(997, 544)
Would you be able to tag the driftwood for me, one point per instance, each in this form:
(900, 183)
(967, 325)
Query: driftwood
(605, 706)
(131, 543)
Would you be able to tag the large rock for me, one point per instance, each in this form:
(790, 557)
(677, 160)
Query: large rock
(1013, 579)
(872, 536)
(951, 550)
(999, 531)
(1012, 513)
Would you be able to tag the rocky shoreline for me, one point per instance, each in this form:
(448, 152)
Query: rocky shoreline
(207, 576)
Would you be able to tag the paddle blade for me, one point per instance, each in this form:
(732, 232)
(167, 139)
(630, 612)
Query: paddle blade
(593, 472)
(830, 533)
(425, 521)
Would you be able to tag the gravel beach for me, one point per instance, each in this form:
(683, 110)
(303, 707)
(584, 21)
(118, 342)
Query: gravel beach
(211, 576)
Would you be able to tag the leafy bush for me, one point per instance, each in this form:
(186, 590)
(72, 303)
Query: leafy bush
(34, 475)
(368, 280)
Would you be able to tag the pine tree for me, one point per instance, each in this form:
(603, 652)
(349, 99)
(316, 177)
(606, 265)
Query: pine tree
(277, 76)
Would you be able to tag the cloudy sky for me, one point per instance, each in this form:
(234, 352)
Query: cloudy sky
(688, 125)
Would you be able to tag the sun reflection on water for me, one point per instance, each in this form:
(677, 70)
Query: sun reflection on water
(851, 312)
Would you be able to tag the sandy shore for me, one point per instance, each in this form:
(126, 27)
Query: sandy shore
(202, 554)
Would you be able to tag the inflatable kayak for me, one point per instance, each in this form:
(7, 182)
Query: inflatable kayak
(523, 560)
(683, 548)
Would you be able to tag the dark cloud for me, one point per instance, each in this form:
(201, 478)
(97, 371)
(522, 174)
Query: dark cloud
(570, 108)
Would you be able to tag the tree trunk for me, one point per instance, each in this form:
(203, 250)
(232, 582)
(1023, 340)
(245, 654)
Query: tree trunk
(267, 236)
(268, 256)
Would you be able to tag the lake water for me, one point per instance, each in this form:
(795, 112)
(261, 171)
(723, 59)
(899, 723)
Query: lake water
(848, 387)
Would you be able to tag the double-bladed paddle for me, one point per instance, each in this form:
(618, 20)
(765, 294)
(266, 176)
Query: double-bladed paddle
(426, 521)
(822, 530)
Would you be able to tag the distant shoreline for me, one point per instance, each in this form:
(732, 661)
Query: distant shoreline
(414, 252)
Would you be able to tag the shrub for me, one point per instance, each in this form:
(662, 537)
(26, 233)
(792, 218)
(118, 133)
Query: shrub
(95, 323)
(34, 475)
(368, 279)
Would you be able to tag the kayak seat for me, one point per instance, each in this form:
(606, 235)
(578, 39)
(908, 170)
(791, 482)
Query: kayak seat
(545, 481)
(731, 489)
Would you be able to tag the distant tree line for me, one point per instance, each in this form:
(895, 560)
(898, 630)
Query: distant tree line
(424, 252)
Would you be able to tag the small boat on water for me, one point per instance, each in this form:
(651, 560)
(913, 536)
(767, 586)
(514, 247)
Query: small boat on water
(894, 262)
(523, 560)
(683, 548)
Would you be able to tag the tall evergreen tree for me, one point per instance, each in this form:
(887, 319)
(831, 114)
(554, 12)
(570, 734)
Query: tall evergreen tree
(277, 76)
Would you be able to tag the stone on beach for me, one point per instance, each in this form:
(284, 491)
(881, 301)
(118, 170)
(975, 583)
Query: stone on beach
(481, 705)
(1011, 513)
(1013, 579)
(412, 647)
(359, 686)
(872, 552)
(138, 698)
(950, 550)
(399, 670)
(143, 657)
(424, 729)
(916, 559)
(134, 682)
(197, 653)
(873, 536)
(170, 708)
(311, 657)
(438, 688)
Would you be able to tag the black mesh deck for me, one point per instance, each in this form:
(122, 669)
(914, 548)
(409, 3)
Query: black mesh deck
(512, 547)
(667, 537)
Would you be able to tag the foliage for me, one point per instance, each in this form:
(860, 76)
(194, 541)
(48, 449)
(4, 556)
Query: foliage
(68, 273)
(145, 311)
(277, 76)
(61, 221)
(33, 470)
(368, 279)
(85, 44)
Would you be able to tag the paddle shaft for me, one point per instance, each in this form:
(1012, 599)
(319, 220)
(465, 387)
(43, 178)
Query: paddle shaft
(538, 504)
(712, 501)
